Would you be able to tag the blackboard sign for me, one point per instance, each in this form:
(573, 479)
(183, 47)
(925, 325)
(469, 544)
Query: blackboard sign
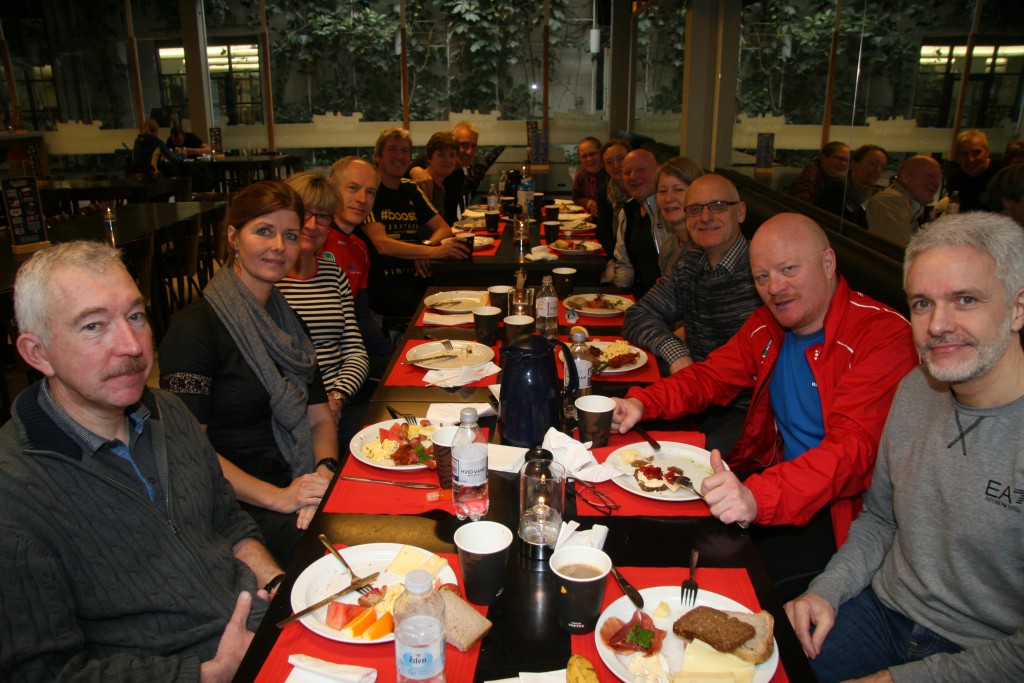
(24, 212)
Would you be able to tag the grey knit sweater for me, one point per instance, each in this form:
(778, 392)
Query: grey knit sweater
(98, 584)
(941, 535)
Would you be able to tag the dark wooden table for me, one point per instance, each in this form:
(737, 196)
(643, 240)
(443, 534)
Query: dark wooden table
(525, 636)
(64, 196)
(235, 172)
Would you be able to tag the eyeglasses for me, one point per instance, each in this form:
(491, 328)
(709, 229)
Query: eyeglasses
(717, 206)
(586, 492)
(324, 219)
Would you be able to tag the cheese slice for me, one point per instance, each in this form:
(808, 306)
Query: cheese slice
(432, 565)
(700, 657)
(407, 559)
(683, 677)
(628, 455)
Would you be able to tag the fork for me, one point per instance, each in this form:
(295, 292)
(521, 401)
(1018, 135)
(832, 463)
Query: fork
(447, 344)
(334, 551)
(689, 594)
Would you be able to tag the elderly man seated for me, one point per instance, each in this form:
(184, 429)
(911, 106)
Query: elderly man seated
(896, 212)
(126, 556)
(709, 292)
(591, 179)
(928, 586)
(823, 362)
(975, 169)
(639, 234)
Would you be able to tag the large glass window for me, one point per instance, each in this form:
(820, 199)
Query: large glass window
(234, 82)
(994, 90)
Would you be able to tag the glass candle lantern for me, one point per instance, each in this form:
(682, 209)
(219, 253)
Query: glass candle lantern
(541, 502)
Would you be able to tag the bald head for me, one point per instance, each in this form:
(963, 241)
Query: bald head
(921, 177)
(794, 270)
(638, 174)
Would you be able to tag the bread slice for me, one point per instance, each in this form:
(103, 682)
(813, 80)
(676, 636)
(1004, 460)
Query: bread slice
(464, 626)
(760, 647)
(716, 628)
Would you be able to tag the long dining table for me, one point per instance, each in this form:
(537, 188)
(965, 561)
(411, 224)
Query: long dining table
(648, 540)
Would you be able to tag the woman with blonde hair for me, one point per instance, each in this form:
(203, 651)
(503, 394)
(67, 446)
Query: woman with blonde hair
(673, 180)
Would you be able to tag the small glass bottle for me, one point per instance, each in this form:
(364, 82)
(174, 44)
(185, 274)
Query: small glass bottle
(419, 631)
(492, 198)
(469, 468)
(110, 225)
(584, 361)
(525, 196)
(547, 309)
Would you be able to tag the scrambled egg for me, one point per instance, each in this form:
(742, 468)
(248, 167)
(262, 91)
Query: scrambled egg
(379, 451)
(617, 348)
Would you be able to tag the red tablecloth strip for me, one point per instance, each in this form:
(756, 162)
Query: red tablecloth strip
(297, 639)
(487, 251)
(732, 583)
(380, 499)
(412, 376)
(632, 505)
(592, 320)
(648, 372)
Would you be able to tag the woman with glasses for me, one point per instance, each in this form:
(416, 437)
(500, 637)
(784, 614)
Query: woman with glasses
(831, 164)
(320, 293)
(847, 196)
(243, 363)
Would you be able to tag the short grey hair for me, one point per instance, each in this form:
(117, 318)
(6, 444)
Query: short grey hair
(466, 126)
(990, 233)
(340, 167)
(31, 291)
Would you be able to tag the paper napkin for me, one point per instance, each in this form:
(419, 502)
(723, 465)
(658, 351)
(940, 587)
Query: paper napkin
(576, 459)
(546, 677)
(541, 254)
(451, 412)
(447, 320)
(457, 377)
(312, 670)
(570, 535)
(505, 458)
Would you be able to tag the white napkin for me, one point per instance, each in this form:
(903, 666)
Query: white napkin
(446, 320)
(569, 536)
(541, 254)
(495, 391)
(312, 670)
(451, 412)
(470, 213)
(505, 458)
(546, 677)
(457, 377)
(576, 459)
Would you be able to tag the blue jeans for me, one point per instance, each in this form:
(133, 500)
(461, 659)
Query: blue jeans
(868, 637)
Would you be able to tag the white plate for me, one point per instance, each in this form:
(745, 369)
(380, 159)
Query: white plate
(462, 302)
(694, 462)
(628, 367)
(372, 433)
(673, 646)
(469, 354)
(480, 242)
(578, 226)
(327, 576)
(618, 305)
(590, 247)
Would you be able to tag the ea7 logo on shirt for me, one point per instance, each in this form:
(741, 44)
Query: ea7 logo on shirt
(1010, 498)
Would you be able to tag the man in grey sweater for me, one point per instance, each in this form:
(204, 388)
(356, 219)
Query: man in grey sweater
(928, 586)
(125, 555)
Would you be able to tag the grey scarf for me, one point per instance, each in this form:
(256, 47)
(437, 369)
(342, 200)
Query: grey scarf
(276, 347)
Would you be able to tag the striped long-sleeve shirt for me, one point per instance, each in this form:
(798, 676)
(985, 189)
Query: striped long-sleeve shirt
(325, 303)
(711, 303)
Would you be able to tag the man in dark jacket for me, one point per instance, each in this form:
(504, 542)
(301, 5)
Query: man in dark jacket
(125, 554)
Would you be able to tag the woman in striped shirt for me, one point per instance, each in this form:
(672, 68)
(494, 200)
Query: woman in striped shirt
(320, 293)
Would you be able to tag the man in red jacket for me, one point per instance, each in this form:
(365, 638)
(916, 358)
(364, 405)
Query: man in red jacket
(823, 362)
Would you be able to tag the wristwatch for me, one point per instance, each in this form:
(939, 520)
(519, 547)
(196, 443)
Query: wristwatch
(337, 396)
(330, 463)
(428, 243)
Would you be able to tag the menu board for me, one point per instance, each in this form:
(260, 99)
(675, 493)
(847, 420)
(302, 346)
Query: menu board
(24, 212)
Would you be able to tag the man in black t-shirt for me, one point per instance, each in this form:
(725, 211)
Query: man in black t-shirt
(403, 233)
(189, 143)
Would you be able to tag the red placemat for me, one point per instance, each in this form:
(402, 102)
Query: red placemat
(297, 639)
(412, 376)
(380, 499)
(632, 505)
(488, 250)
(732, 583)
(590, 319)
(648, 372)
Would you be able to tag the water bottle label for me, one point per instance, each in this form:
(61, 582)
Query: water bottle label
(469, 465)
(419, 663)
(585, 370)
(547, 307)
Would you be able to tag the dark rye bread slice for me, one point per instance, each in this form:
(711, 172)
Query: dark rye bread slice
(714, 627)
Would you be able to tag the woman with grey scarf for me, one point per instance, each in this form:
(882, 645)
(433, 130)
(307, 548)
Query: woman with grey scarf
(242, 361)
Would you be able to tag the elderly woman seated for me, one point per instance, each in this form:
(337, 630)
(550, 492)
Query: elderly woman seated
(320, 293)
(242, 361)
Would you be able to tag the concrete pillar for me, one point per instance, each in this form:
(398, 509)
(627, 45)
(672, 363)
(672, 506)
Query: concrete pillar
(620, 69)
(197, 68)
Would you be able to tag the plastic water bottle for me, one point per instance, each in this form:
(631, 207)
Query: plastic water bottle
(492, 198)
(584, 361)
(525, 196)
(419, 631)
(110, 225)
(547, 309)
(469, 468)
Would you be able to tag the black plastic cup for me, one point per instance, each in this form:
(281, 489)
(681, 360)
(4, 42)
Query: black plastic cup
(486, 319)
(563, 281)
(551, 212)
(551, 229)
(578, 597)
(483, 554)
(595, 419)
(491, 219)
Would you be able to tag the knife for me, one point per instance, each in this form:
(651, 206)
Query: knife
(647, 437)
(628, 589)
(407, 484)
(355, 585)
(446, 356)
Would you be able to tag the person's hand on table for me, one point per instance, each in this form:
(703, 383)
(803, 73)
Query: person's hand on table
(809, 610)
(335, 406)
(453, 250)
(422, 267)
(591, 206)
(423, 179)
(306, 516)
(729, 500)
(233, 644)
(628, 411)
(304, 490)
